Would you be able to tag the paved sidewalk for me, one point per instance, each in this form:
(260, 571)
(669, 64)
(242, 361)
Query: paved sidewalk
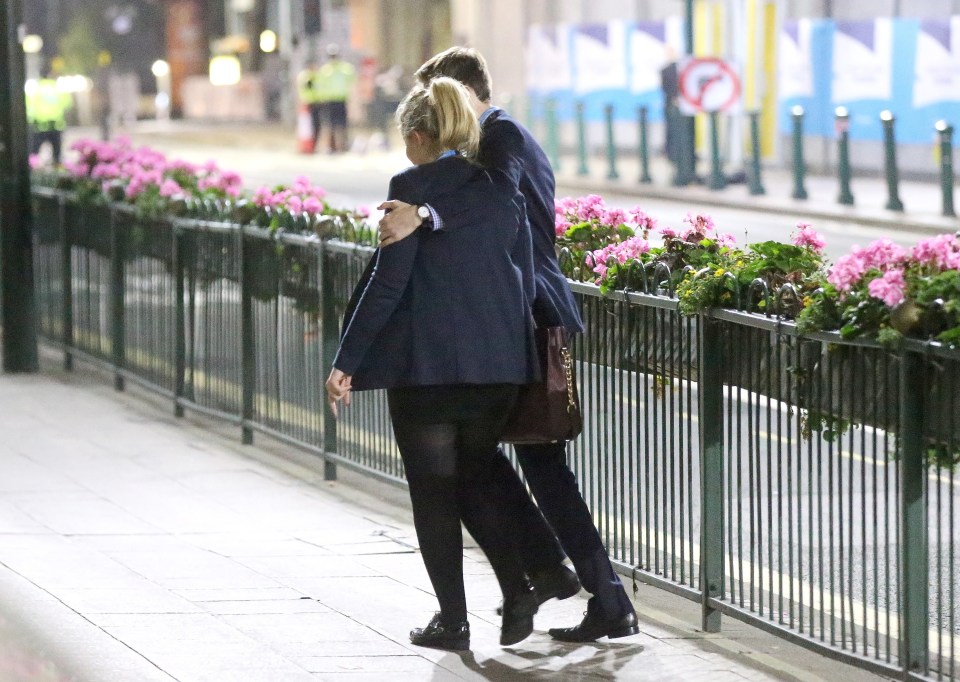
(137, 547)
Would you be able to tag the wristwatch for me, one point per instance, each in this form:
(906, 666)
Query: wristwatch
(424, 213)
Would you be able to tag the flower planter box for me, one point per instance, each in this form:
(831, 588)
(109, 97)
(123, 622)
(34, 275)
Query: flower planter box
(46, 219)
(88, 227)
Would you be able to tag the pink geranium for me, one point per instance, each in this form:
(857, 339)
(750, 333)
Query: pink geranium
(808, 238)
(941, 252)
(847, 271)
(629, 249)
(170, 188)
(890, 288)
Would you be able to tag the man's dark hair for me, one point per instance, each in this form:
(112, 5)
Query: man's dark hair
(464, 64)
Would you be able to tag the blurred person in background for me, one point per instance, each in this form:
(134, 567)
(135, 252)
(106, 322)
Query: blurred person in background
(388, 90)
(47, 106)
(308, 90)
(101, 94)
(335, 81)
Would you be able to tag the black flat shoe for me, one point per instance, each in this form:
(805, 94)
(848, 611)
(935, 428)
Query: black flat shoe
(560, 583)
(518, 612)
(437, 635)
(594, 626)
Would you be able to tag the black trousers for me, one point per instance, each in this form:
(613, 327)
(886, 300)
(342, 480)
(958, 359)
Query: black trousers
(555, 488)
(316, 121)
(54, 137)
(335, 117)
(447, 436)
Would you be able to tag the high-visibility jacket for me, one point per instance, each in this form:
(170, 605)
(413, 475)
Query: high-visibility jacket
(336, 78)
(47, 104)
(307, 81)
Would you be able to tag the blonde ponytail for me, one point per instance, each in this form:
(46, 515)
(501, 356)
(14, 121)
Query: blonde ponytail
(441, 111)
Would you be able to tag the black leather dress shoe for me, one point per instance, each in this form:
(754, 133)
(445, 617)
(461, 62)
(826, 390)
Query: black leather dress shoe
(594, 626)
(560, 583)
(518, 612)
(438, 635)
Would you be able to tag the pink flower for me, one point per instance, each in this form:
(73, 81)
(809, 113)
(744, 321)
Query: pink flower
(262, 196)
(668, 232)
(295, 204)
(883, 254)
(642, 220)
(590, 208)
(170, 188)
(700, 223)
(847, 271)
(614, 216)
(726, 239)
(941, 252)
(807, 237)
(312, 205)
(562, 226)
(890, 288)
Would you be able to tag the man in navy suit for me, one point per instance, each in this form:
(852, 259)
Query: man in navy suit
(507, 146)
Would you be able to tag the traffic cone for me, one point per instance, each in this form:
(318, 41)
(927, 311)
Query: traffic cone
(305, 141)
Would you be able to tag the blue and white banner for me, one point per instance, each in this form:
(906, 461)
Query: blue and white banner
(937, 71)
(862, 61)
(910, 67)
(600, 58)
(549, 68)
(804, 74)
(616, 63)
(652, 46)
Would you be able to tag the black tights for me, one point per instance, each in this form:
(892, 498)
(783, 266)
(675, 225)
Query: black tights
(447, 437)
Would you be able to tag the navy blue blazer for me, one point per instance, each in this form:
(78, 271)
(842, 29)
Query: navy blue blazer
(507, 146)
(448, 307)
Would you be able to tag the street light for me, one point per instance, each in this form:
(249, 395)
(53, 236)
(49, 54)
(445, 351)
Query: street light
(268, 41)
(224, 70)
(161, 71)
(32, 45)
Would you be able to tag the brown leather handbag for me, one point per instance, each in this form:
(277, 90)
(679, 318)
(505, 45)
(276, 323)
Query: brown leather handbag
(549, 410)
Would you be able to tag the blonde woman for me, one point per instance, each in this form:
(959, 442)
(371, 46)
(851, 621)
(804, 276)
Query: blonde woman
(442, 321)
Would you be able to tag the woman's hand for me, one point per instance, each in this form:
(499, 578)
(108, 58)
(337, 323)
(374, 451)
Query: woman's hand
(338, 388)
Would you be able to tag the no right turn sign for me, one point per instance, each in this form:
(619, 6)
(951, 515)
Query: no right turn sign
(707, 84)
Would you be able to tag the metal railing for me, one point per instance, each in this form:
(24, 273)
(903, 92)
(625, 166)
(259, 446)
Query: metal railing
(803, 484)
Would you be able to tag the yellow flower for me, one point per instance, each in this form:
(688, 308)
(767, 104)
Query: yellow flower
(719, 272)
(807, 301)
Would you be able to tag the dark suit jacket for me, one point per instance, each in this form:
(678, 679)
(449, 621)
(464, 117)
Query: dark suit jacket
(508, 147)
(448, 307)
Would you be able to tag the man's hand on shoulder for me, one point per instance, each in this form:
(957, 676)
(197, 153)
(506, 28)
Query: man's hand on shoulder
(400, 221)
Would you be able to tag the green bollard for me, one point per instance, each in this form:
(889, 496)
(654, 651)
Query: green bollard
(717, 179)
(582, 168)
(643, 148)
(611, 149)
(686, 163)
(553, 144)
(842, 125)
(799, 167)
(756, 186)
(890, 161)
(945, 133)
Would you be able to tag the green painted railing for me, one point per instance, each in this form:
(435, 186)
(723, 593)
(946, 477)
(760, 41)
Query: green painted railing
(803, 484)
